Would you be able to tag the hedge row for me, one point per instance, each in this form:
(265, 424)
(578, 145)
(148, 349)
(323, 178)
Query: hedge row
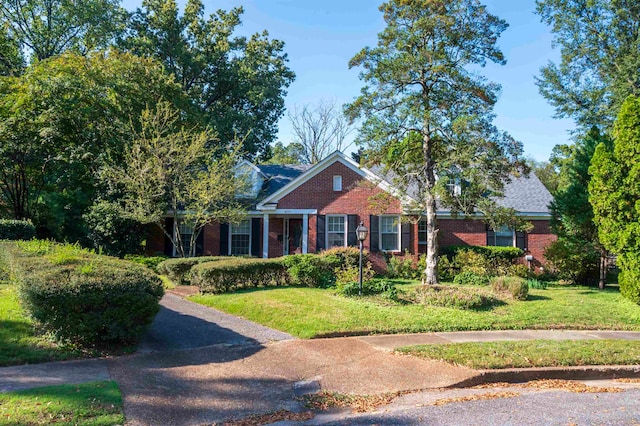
(490, 252)
(227, 275)
(82, 298)
(16, 230)
(178, 269)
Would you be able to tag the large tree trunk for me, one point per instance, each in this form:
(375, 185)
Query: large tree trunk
(431, 270)
(603, 269)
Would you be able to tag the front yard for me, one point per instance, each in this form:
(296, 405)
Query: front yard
(311, 312)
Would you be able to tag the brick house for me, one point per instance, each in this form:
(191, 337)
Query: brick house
(309, 208)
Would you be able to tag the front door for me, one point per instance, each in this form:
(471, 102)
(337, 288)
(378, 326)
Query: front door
(295, 236)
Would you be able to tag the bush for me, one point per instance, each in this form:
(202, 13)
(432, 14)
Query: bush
(629, 276)
(312, 270)
(149, 261)
(454, 297)
(87, 299)
(519, 270)
(231, 274)
(490, 252)
(516, 287)
(537, 284)
(470, 278)
(110, 231)
(352, 274)
(347, 256)
(578, 265)
(16, 230)
(473, 262)
(402, 267)
(495, 260)
(178, 269)
(369, 288)
(447, 269)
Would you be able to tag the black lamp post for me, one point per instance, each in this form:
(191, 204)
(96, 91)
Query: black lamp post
(361, 232)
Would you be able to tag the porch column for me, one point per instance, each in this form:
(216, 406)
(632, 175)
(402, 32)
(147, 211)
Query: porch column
(265, 236)
(305, 232)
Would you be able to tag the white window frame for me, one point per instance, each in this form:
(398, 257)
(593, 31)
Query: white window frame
(232, 233)
(337, 183)
(344, 233)
(503, 230)
(398, 231)
(423, 220)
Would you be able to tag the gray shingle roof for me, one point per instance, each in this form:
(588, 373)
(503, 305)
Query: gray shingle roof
(278, 176)
(526, 195)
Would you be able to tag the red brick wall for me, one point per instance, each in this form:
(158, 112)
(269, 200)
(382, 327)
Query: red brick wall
(538, 239)
(455, 232)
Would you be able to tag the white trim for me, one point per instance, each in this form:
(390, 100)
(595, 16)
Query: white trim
(252, 166)
(336, 156)
(305, 233)
(231, 225)
(326, 229)
(265, 236)
(399, 229)
(337, 183)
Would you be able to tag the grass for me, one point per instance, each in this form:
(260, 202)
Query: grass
(310, 312)
(94, 404)
(531, 353)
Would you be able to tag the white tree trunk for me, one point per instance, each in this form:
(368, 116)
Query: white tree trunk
(431, 270)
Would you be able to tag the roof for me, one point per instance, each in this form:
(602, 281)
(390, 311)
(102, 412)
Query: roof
(526, 195)
(278, 176)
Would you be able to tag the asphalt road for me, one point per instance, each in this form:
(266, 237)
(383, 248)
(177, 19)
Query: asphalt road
(531, 407)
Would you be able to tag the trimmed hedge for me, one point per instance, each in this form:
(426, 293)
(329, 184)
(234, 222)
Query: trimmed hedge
(230, 274)
(312, 270)
(16, 230)
(490, 252)
(178, 269)
(83, 298)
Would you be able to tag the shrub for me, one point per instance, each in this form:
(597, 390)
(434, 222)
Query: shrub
(473, 262)
(347, 256)
(447, 269)
(369, 287)
(537, 284)
(496, 260)
(109, 230)
(490, 252)
(312, 270)
(88, 300)
(519, 270)
(149, 261)
(629, 276)
(576, 265)
(454, 297)
(231, 274)
(470, 278)
(178, 269)
(516, 287)
(352, 274)
(401, 267)
(16, 230)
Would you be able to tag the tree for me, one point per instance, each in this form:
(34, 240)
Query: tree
(238, 84)
(289, 154)
(578, 253)
(428, 116)
(61, 121)
(168, 169)
(46, 28)
(320, 129)
(614, 193)
(599, 58)
(11, 57)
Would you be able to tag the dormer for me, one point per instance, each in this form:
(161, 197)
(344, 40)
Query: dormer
(253, 177)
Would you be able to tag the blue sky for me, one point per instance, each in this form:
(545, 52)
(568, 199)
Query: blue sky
(322, 35)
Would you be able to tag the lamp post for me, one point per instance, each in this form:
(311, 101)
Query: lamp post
(361, 232)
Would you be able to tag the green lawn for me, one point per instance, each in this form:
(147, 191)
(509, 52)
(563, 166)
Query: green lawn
(88, 404)
(20, 343)
(531, 353)
(308, 312)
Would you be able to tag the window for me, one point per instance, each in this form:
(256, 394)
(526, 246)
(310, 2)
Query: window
(502, 236)
(390, 233)
(240, 240)
(337, 183)
(336, 231)
(186, 234)
(422, 231)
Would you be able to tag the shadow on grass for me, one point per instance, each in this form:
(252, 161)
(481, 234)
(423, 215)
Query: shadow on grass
(19, 344)
(533, 297)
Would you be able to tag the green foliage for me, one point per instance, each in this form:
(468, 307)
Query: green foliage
(352, 274)
(473, 262)
(178, 269)
(614, 192)
(537, 284)
(447, 269)
(516, 287)
(574, 262)
(454, 297)
(519, 270)
(86, 299)
(110, 231)
(238, 273)
(290, 154)
(490, 252)
(16, 229)
(370, 287)
(238, 83)
(402, 267)
(312, 270)
(348, 257)
(419, 77)
(150, 262)
(599, 62)
(470, 278)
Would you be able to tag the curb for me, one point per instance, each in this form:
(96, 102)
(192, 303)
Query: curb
(519, 375)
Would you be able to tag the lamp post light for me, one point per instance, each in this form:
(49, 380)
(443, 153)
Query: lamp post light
(361, 232)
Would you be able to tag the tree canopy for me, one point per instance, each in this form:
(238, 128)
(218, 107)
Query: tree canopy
(428, 115)
(599, 43)
(238, 83)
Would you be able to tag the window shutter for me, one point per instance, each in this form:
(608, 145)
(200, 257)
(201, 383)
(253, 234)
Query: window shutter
(200, 242)
(255, 237)
(374, 233)
(521, 240)
(168, 245)
(405, 238)
(321, 236)
(224, 239)
(352, 224)
(491, 236)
